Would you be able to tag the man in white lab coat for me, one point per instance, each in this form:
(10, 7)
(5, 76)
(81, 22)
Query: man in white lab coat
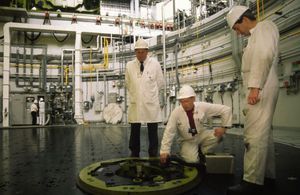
(144, 81)
(188, 121)
(42, 112)
(261, 86)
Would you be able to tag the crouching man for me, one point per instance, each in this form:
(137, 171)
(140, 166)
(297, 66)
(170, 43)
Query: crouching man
(188, 121)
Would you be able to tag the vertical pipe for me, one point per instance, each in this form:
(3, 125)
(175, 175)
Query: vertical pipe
(115, 60)
(176, 67)
(137, 8)
(5, 83)
(73, 81)
(111, 39)
(200, 9)
(97, 81)
(101, 43)
(62, 69)
(44, 70)
(24, 64)
(104, 89)
(184, 18)
(31, 64)
(164, 54)
(132, 8)
(205, 6)
(174, 15)
(78, 83)
(41, 75)
(164, 57)
(17, 67)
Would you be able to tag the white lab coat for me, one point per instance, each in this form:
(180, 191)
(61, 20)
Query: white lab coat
(179, 123)
(42, 113)
(144, 90)
(259, 65)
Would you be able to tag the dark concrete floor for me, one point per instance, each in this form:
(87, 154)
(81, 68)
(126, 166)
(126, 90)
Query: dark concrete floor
(47, 160)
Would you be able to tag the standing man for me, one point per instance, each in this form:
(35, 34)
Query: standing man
(34, 110)
(42, 111)
(188, 120)
(144, 81)
(261, 86)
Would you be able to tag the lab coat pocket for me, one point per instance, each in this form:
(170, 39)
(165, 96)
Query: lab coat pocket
(183, 130)
(150, 88)
(199, 117)
(199, 121)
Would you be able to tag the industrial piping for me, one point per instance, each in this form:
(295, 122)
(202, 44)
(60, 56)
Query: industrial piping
(77, 29)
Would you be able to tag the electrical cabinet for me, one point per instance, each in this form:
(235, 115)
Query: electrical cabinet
(20, 113)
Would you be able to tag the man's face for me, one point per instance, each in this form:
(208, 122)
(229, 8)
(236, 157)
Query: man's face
(187, 103)
(242, 28)
(141, 54)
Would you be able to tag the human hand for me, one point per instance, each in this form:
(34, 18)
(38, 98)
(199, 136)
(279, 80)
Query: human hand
(219, 131)
(253, 96)
(164, 158)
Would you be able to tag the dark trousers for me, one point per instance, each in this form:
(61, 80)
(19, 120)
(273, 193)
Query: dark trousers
(134, 142)
(34, 117)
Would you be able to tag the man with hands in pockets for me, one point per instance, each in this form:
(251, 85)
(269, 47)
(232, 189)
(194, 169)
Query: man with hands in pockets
(145, 83)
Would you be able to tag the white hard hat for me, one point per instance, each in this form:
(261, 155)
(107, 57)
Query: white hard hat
(186, 91)
(41, 99)
(234, 14)
(141, 44)
(35, 101)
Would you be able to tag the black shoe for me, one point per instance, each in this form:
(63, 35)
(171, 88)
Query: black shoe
(245, 188)
(133, 154)
(270, 186)
(270, 182)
